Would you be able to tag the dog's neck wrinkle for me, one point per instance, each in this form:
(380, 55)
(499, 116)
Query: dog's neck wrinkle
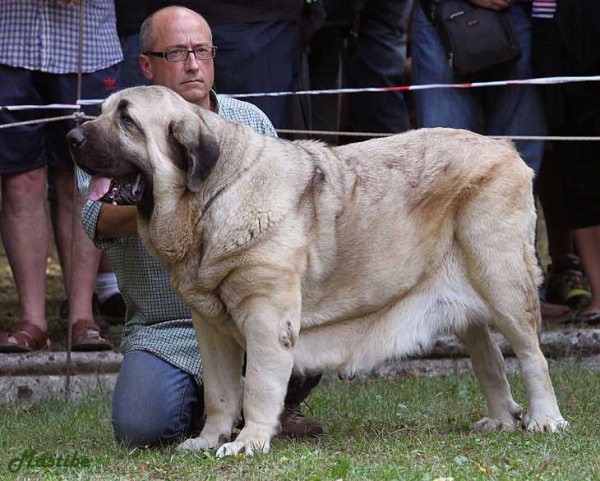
(209, 203)
(172, 224)
(214, 186)
(234, 172)
(177, 219)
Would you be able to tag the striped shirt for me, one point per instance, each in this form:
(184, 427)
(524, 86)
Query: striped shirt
(157, 321)
(543, 8)
(44, 36)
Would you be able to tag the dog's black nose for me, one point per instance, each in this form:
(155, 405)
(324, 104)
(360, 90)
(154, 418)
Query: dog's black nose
(75, 137)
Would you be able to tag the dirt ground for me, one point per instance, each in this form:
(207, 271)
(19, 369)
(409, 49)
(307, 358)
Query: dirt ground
(9, 307)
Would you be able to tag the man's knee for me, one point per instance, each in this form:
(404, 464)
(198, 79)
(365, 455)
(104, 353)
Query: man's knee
(25, 185)
(154, 403)
(144, 430)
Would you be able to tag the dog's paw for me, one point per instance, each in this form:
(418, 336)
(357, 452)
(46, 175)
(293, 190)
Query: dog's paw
(195, 444)
(509, 420)
(248, 447)
(495, 425)
(545, 424)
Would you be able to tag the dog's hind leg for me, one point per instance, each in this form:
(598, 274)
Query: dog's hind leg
(222, 359)
(504, 414)
(496, 232)
(517, 316)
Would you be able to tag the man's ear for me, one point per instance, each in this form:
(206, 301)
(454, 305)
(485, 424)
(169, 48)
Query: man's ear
(196, 152)
(145, 66)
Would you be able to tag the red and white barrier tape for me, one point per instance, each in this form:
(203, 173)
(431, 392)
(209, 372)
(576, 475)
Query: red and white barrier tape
(499, 83)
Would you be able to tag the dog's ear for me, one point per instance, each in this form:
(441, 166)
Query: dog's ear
(195, 152)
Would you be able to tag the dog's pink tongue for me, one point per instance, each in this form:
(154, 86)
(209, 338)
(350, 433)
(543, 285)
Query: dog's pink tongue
(98, 187)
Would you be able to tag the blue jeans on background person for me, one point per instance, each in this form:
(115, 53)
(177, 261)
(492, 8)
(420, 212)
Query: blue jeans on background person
(131, 73)
(259, 57)
(155, 403)
(509, 110)
(376, 58)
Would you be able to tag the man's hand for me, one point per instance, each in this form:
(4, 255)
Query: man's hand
(116, 221)
(492, 4)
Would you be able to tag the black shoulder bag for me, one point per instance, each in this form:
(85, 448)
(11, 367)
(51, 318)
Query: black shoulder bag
(477, 40)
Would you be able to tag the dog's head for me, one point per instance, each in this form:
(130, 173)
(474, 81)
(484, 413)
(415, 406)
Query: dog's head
(142, 133)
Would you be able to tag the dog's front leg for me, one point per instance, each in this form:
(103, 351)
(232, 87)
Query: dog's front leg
(270, 336)
(222, 359)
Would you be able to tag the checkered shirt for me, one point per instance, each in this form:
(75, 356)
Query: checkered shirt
(157, 320)
(43, 35)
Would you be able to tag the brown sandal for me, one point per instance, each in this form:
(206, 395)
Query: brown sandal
(86, 337)
(27, 337)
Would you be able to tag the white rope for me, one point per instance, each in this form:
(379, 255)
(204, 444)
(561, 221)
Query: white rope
(41, 107)
(334, 133)
(78, 116)
(37, 121)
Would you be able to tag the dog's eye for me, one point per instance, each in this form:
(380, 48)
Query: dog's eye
(127, 121)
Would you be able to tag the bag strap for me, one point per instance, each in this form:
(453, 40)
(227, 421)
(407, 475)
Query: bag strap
(429, 7)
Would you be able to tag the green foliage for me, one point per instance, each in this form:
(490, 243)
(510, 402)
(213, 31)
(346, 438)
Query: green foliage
(406, 429)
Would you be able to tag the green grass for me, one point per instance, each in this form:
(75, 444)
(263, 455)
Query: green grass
(403, 429)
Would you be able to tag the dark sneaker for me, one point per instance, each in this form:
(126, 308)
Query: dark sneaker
(589, 318)
(569, 287)
(113, 309)
(294, 424)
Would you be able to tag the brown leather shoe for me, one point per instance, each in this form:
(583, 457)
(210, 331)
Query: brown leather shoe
(294, 424)
(86, 337)
(25, 337)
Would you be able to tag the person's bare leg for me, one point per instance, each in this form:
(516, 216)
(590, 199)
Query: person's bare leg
(105, 265)
(588, 244)
(86, 255)
(24, 229)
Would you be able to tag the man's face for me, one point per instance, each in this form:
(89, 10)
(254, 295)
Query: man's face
(192, 79)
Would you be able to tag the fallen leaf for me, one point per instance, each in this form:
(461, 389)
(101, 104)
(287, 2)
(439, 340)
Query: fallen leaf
(484, 469)
(546, 463)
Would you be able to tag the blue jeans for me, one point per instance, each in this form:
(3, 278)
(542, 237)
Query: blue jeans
(131, 73)
(154, 402)
(376, 59)
(510, 110)
(259, 57)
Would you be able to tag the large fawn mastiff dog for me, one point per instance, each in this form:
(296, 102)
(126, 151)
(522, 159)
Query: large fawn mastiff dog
(309, 257)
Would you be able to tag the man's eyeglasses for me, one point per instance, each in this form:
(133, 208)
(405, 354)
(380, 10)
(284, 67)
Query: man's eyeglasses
(181, 54)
